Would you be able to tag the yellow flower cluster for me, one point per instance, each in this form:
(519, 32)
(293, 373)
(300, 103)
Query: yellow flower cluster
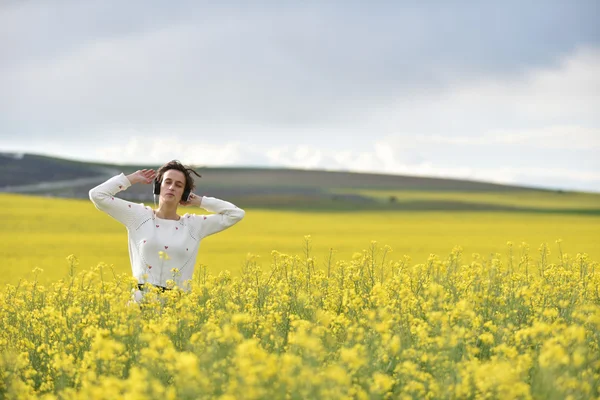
(365, 328)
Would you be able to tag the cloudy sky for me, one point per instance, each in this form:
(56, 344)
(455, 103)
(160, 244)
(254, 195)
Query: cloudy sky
(503, 91)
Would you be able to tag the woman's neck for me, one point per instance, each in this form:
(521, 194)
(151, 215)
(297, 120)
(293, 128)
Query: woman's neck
(166, 212)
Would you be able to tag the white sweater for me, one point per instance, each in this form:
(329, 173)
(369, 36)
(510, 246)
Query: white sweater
(157, 245)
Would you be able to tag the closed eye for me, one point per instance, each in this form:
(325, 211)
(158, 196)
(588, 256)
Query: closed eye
(178, 184)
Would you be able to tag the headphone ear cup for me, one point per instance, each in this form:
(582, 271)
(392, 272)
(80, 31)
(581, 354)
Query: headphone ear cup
(186, 195)
(156, 187)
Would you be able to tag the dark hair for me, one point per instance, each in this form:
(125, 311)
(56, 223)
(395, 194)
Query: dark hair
(175, 164)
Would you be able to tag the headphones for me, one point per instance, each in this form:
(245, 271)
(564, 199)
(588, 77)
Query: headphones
(184, 196)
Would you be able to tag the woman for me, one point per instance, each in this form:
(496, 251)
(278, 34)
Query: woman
(161, 240)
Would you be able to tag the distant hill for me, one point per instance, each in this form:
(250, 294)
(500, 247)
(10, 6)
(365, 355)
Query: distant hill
(27, 169)
(252, 187)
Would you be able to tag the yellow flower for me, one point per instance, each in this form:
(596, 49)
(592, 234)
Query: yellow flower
(163, 255)
(353, 357)
(37, 270)
(487, 338)
(72, 259)
(382, 383)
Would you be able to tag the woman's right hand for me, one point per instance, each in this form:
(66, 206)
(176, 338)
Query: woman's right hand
(142, 176)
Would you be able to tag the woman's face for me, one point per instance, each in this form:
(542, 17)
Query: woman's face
(172, 186)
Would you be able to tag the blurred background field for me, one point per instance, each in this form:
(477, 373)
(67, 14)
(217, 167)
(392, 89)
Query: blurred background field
(522, 200)
(42, 232)
(46, 215)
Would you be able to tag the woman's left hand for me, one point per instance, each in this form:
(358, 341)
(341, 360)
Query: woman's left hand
(193, 200)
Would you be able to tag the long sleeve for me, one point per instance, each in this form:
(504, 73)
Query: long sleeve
(103, 197)
(226, 215)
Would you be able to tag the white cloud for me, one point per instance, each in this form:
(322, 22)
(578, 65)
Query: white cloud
(550, 177)
(551, 137)
(159, 150)
(381, 158)
(565, 95)
(303, 156)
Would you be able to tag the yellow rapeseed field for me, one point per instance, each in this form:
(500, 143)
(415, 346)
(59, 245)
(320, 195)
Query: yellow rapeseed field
(304, 305)
(524, 199)
(41, 232)
(521, 326)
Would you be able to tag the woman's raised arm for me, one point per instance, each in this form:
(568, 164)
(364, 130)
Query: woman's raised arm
(126, 212)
